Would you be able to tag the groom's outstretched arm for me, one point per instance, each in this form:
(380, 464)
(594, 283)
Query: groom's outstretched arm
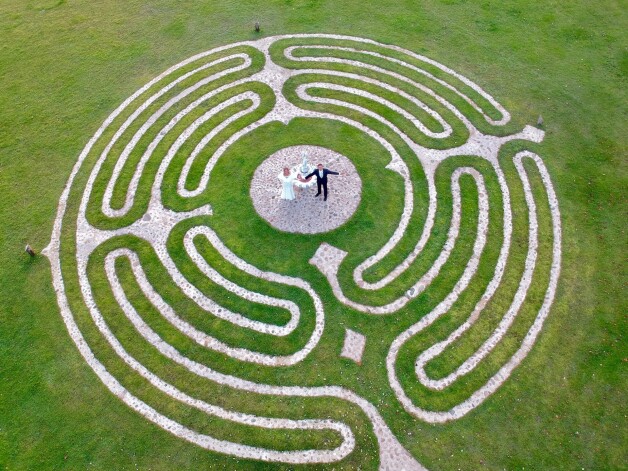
(311, 174)
(331, 172)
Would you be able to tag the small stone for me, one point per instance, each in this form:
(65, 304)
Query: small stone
(353, 347)
(29, 250)
(539, 122)
(257, 26)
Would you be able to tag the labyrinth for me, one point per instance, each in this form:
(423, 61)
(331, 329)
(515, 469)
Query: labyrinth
(323, 346)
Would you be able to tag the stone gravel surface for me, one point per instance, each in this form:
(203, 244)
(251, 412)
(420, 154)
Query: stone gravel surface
(307, 214)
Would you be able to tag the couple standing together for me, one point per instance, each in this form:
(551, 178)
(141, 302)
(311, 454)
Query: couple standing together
(288, 178)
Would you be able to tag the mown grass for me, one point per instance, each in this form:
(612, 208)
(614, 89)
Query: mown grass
(66, 65)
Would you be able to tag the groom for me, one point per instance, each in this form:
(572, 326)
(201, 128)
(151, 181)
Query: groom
(321, 179)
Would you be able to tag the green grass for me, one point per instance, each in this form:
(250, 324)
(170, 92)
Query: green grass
(65, 66)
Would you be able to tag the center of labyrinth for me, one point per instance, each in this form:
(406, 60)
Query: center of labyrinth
(245, 323)
(307, 213)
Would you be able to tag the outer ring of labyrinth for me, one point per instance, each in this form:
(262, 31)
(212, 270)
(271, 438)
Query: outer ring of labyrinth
(146, 171)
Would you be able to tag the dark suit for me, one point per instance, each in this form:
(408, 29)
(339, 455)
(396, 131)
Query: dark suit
(322, 181)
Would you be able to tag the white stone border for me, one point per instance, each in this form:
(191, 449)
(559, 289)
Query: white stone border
(486, 146)
(505, 115)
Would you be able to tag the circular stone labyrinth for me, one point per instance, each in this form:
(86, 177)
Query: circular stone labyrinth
(307, 214)
(171, 310)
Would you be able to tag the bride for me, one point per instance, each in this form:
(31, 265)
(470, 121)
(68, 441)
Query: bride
(287, 178)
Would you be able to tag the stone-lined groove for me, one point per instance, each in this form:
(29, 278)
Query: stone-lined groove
(150, 103)
(329, 85)
(170, 314)
(502, 375)
(288, 52)
(328, 260)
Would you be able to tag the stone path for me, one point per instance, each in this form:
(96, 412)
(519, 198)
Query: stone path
(185, 94)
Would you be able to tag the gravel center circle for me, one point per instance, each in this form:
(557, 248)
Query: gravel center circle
(306, 214)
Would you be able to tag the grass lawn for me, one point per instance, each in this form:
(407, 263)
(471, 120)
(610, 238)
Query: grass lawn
(65, 65)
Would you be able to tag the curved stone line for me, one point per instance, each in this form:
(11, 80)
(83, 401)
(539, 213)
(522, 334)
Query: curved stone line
(328, 259)
(255, 297)
(162, 133)
(489, 344)
(400, 77)
(396, 164)
(171, 316)
(358, 272)
(61, 208)
(311, 456)
(479, 396)
(209, 305)
(378, 256)
(408, 204)
(171, 426)
(380, 100)
(252, 296)
(503, 254)
(205, 441)
(253, 97)
(447, 130)
(484, 146)
(106, 204)
(150, 413)
(207, 139)
(383, 434)
(187, 133)
(372, 260)
(167, 160)
(394, 240)
(505, 115)
(392, 454)
(195, 294)
(334, 117)
(189, 289)
(217, 154)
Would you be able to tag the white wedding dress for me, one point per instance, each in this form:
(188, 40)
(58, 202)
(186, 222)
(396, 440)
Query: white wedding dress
(287, 189)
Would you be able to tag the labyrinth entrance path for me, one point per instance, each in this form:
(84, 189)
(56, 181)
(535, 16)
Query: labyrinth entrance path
(307, 332)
